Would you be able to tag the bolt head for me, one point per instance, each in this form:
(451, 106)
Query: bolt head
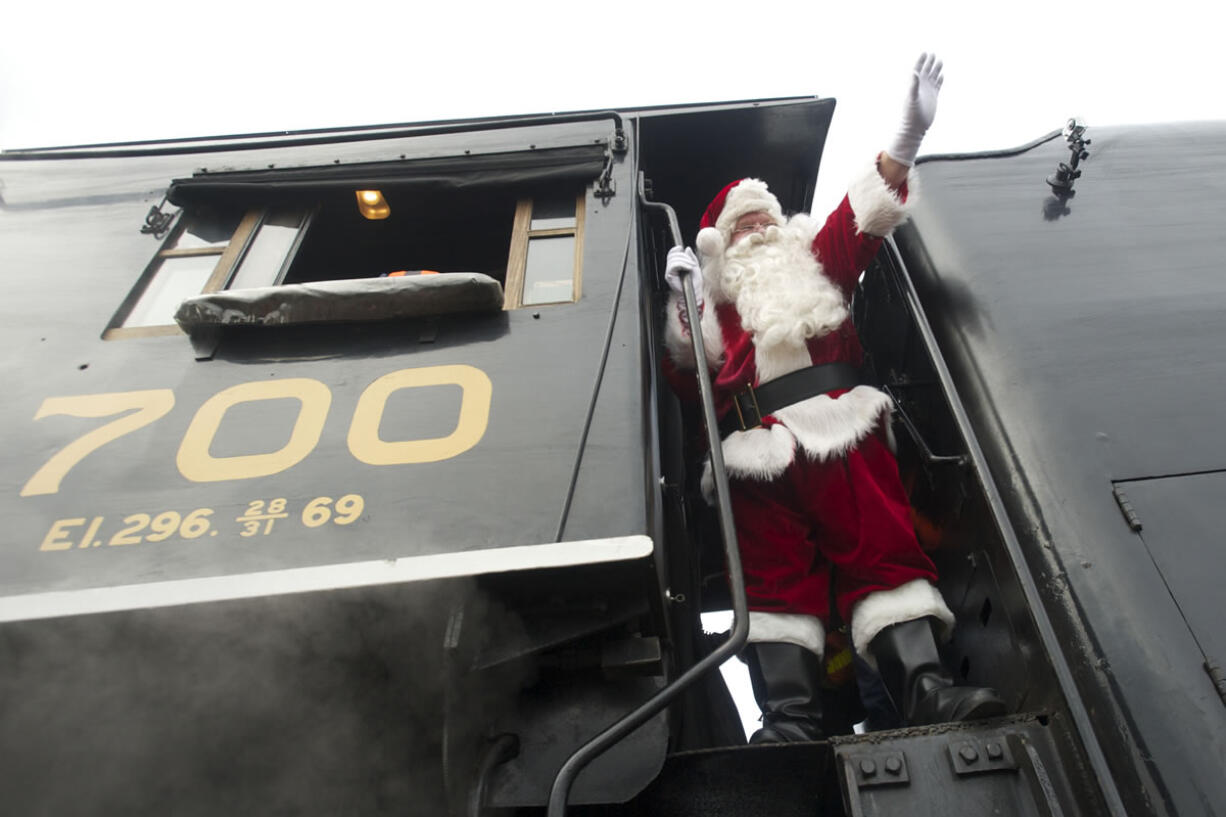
(868, 768)
(893, 765)
(968, 753)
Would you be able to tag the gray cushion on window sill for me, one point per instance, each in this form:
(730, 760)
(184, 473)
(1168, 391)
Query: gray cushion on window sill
(358, 299)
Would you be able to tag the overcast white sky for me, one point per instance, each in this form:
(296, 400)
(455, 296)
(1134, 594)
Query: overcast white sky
(74, 72)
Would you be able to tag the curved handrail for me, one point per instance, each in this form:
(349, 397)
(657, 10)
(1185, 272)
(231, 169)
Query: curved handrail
(560, 792)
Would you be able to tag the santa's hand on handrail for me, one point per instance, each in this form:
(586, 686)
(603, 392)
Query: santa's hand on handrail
(682, 259)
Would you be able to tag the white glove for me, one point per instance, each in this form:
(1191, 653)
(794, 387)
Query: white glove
(682, 259)
(919, 109)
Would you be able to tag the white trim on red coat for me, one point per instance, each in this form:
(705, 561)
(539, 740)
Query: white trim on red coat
(917, 598)
(791, 628)
(821, 426)
(878, 209)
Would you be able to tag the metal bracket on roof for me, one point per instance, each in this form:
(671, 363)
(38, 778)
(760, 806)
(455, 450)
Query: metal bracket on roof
(605, 187)
(1067, 172)
(157, 223)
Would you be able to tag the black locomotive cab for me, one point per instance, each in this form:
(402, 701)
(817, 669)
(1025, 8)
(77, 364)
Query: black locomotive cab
(328, 470)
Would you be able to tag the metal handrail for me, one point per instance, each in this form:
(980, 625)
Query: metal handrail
(560, 792)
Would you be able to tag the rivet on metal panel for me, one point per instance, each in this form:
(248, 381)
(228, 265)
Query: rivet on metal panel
(865, 769)
(976, 756)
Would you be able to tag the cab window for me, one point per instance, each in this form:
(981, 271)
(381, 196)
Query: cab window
(529, 241)
(546, 260)
(207, 250)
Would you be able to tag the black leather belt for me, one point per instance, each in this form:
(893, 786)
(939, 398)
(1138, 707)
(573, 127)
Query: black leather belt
(751, 404)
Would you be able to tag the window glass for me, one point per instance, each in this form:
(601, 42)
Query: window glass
(175, 279)
(272, 242)
(553, 212)
(549, 275)
(207, 229)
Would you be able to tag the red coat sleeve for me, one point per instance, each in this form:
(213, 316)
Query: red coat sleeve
(842, 250)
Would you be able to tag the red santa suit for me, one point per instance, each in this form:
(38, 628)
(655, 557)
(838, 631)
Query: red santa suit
(815, 488)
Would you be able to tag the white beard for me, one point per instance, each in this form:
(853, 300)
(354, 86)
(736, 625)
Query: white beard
(782, 295)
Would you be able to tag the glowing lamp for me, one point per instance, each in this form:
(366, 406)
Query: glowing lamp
(372, 205)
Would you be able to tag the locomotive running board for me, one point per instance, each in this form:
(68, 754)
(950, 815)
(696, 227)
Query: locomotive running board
(323, 577)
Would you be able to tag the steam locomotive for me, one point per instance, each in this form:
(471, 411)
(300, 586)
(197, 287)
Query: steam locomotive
(341, 476)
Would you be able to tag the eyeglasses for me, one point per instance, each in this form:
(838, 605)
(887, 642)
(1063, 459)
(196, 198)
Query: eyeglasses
(759, 226)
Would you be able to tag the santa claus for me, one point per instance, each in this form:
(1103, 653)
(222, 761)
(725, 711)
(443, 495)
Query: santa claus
(821, 514)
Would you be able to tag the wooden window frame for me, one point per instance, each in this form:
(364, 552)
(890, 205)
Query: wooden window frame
(229, 257)
(517, 260)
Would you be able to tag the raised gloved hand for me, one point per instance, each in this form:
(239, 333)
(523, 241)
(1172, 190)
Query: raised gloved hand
(682, 259)
(919, 109)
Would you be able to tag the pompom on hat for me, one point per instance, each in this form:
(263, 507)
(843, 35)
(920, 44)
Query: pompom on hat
(737, 199)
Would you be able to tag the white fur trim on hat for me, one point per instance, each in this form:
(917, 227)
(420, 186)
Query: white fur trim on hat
(876, 611)
(710, 243)
(878, 209)
(750, 196)
(791, 628)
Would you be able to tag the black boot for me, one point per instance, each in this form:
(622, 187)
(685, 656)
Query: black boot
(922, 689)
(785, 684)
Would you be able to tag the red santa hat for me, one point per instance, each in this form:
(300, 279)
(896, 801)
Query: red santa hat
(737, 199)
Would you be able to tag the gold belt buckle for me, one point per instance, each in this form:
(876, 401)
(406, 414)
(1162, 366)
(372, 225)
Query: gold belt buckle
(740, 416)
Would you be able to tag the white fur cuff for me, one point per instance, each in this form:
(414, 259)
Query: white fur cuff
(877, 208)
(792, 628)
(876, 611)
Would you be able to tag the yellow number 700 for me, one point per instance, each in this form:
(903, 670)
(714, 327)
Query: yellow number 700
(197, 464)
(149, 405)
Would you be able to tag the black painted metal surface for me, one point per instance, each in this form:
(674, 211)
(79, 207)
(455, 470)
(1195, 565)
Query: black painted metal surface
(142, 508)
(1085, 337)
(62, 294)
(1001, 768)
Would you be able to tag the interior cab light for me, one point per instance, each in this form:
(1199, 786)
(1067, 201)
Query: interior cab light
(372, 205)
